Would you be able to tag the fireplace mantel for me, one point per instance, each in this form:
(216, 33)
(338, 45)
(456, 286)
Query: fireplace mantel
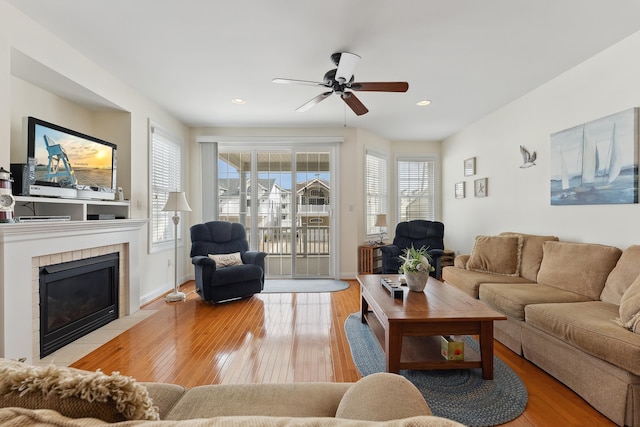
(20, 243)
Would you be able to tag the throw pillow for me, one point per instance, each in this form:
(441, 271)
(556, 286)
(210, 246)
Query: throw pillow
(621, 277)
(630, 307)
(531, 253)
(226, 260)
(581, 268)
(497, 255)
(74, 393)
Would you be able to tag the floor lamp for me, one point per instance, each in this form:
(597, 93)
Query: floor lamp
(177, 202)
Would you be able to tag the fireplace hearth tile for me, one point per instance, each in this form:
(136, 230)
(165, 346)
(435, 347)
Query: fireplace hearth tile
(94, 340)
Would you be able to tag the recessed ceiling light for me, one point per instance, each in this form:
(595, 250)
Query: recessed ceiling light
(423, 103)
(238, 101)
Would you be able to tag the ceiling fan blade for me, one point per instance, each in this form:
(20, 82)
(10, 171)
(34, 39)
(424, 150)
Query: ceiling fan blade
(354, 103)
(346, 66)
(380, 86)
(299, 82)
(313, 102)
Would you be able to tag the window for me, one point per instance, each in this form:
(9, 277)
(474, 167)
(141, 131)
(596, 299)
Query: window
(166, 166)
(416, 189)
(376, 194)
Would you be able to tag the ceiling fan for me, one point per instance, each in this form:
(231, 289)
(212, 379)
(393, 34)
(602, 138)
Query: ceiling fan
(341, 82)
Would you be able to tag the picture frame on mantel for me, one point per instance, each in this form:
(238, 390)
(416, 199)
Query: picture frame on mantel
(470, 166)
(459, 190)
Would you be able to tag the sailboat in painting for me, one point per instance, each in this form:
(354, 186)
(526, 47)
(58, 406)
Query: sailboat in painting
(614, 164)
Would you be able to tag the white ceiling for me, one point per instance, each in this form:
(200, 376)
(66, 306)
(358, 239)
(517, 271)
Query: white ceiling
(468, 57)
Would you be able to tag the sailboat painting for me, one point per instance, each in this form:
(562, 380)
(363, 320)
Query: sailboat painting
(596, 162)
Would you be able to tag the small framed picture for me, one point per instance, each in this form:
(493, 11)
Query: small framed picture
(470, 167)
(460, 190)
(480, 187)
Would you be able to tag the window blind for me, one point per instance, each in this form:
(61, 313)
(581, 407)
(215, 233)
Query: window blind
(416, 189)
(376, 194)
(166, 164)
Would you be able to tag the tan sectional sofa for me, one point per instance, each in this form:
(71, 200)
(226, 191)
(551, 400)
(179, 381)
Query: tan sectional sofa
(59, 396)
(571, 308)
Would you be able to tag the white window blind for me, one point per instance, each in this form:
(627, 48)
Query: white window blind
(376, 193)
(416, 189)
(166, 165)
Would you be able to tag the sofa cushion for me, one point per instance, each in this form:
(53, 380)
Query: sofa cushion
(280, 400)
(630, 307)
(511, 299)
(74, 393)
(577, 267)
(47, 417)
(621, 277)
(461, 261)
(365, 399)
(588, 326)
(469, 281)
(496, 254)
(531, 253)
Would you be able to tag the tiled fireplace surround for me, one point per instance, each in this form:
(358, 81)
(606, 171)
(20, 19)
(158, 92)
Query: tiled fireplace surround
(27, 247)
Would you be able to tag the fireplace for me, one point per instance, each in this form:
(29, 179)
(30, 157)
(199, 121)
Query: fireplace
(76, 298)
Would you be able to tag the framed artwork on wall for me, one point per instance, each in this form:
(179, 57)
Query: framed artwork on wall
(480, 187)
(596, 162)
(460, 190)
(470, 167)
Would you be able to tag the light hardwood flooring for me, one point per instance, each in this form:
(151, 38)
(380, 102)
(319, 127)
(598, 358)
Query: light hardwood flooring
(271, 338)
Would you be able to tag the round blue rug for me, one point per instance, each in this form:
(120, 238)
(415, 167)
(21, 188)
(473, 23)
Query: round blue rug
(458, 394)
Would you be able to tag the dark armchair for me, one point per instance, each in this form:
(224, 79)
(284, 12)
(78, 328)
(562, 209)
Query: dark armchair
(216, 283)
(418, 233)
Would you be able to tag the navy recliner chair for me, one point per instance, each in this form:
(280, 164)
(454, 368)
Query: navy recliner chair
(419, 233)
(216, 283)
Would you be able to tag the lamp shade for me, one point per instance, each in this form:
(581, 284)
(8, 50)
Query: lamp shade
(381, 220)
(177, 202)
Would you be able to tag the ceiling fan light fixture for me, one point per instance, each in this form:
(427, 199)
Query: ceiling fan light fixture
(423, 103)
(341, 81)
(238, 101)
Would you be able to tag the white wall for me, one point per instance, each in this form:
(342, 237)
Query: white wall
(518, 199)
(128, 110)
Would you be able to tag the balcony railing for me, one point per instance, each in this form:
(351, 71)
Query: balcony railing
(309, 240)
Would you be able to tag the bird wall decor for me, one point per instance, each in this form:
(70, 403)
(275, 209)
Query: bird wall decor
(528, 159)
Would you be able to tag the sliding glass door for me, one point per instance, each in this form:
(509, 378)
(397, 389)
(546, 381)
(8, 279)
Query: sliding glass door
(283, 198)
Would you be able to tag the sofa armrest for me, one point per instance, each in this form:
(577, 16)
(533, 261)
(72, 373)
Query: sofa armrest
(368, 399)
(254, 257)
(202, 260)
(390, 259)
(435, 253)
(391, 250)
(461, 261)
(164, 395)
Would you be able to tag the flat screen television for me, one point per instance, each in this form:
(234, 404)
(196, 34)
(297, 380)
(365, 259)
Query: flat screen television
(67, 159)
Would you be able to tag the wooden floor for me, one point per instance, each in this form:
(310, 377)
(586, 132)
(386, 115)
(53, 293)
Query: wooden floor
(273, 338)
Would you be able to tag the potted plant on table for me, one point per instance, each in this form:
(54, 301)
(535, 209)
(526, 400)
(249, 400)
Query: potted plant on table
(416, 267)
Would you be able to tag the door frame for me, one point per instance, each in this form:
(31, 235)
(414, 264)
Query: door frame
(209, 146)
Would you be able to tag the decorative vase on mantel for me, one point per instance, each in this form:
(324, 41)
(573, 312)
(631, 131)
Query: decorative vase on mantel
(417, 281)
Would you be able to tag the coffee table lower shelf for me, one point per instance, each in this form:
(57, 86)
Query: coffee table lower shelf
(423, 352)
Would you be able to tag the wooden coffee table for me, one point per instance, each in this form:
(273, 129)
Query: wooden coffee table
(409, 328)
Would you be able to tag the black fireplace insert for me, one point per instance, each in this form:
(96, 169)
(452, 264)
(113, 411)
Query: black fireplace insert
(76, 298)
